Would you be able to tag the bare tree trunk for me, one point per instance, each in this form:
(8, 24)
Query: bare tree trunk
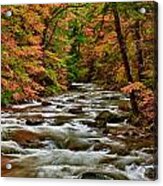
(139, 54)
(123, 49)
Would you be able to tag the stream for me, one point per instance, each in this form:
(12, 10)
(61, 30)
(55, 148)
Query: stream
(59, 138)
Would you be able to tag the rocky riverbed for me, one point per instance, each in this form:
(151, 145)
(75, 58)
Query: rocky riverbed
(82, 134)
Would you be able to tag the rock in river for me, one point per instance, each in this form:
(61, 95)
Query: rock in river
(76, 110)
(34, 121)
(104, 176)
(108, 117)
(46, 103)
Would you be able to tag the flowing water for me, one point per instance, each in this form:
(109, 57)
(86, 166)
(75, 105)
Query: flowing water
(59, 138)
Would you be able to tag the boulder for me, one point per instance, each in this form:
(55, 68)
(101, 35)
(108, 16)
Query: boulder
(108, 117)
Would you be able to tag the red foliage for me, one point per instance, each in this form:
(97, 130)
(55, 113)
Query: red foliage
(145, 100)
(136, 86)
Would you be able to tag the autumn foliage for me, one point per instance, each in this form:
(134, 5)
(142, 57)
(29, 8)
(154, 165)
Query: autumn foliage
(46, 47)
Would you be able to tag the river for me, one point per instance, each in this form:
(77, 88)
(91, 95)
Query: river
(58, 138)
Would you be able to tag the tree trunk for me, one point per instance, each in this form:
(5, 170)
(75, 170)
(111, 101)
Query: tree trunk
(123, 49)
(139, 54)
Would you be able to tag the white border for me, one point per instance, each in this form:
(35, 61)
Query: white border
(52, 182)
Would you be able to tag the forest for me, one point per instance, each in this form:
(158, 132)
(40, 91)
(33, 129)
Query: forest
(81, 58)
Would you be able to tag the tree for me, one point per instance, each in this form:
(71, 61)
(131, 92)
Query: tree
(123, 49)
(46, 47)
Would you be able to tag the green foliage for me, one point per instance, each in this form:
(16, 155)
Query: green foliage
(52, 89)
(83, 74)
(6, 97)
(72, 67)
(46, 47)
(80, 38)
